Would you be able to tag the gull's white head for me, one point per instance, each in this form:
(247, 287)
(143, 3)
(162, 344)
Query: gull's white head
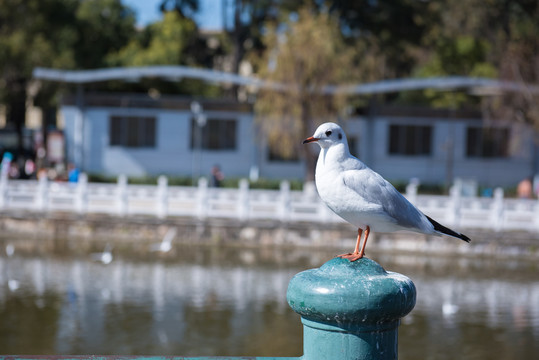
(327, 135)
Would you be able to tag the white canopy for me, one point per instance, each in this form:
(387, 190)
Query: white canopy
(480, 86)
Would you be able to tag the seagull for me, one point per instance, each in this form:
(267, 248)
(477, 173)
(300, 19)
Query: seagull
(166, 243)
(10, 250)
(449, 309)
(104, 257)
(13, 285)
(363, 197)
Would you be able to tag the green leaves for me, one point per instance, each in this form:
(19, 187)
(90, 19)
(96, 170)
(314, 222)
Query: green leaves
(305, 54)
(168, 40)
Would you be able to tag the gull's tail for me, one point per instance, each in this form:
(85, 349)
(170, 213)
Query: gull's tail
(442, 229)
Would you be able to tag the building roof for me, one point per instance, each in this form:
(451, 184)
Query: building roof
(479, 86)
(133, 100)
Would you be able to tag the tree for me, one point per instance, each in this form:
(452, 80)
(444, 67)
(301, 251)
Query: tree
(397, 27)
(182, 7)
(32, 33)
(172, 41)
(499, 40)
(304, 57)
(163, 43)
(245, 22)
(459, 55)
(45, 33)
(103, 26)
(518, 60)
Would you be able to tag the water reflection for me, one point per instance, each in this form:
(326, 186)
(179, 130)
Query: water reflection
(206, 301)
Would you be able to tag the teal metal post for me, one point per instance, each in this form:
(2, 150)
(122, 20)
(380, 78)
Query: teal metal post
(350, 310)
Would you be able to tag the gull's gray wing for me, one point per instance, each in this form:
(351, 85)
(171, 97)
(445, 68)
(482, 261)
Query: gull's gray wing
(374, 189)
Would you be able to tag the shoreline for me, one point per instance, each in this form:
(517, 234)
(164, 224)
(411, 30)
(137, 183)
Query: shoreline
(66, 232)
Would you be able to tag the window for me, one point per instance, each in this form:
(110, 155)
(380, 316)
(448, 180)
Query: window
(487, 143)
(217, 134)
(132, 131)
(410, 140)
(352, 145)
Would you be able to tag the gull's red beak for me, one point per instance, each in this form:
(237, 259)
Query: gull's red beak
(310, 139)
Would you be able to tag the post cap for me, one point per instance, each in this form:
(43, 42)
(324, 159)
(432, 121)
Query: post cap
(343, 293)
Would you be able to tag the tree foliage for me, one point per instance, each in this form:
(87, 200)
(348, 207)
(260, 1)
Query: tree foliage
(518, 61)
(163, 43)
(32, 33)
(174, 40)
(397, 27)
(453, 56)
(102, 26)
(183, 8)
(303, 57)
(304, 44)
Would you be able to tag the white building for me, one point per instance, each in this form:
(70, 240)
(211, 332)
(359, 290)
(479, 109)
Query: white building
(137, 135)
(439, 145)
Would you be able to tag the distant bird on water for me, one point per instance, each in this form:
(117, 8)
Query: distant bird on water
(10, 250)
(363, 197)
(104, 257)
(166, 244)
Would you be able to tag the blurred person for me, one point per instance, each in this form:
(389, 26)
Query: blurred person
(14, 172)
(30, 169)
(487, 192)
(217, 176)
(5, 165)
(524, 189)
(52, 174)
(61, 172)
(72, 173)
(42, 173)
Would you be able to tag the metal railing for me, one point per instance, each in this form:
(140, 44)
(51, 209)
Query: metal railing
(243, 203)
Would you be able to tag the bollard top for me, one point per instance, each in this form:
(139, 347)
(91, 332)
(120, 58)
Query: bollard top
(351, 294)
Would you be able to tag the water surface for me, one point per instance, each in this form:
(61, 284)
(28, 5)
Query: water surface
(203, 301)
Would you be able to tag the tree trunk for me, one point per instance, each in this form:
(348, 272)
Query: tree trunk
(237, 43)
(309, 151)
(16, 109)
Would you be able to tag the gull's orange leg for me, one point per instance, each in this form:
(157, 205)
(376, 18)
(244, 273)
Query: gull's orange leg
(357, 254)
(362, 252)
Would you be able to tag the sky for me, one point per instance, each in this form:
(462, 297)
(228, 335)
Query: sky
(208, 17)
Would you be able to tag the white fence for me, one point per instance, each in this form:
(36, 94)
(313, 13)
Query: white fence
(243, 203)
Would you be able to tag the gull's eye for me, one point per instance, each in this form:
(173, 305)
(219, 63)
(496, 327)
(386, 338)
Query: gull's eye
(328, 133)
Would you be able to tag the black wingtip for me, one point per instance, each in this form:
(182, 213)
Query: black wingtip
(444, 230)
